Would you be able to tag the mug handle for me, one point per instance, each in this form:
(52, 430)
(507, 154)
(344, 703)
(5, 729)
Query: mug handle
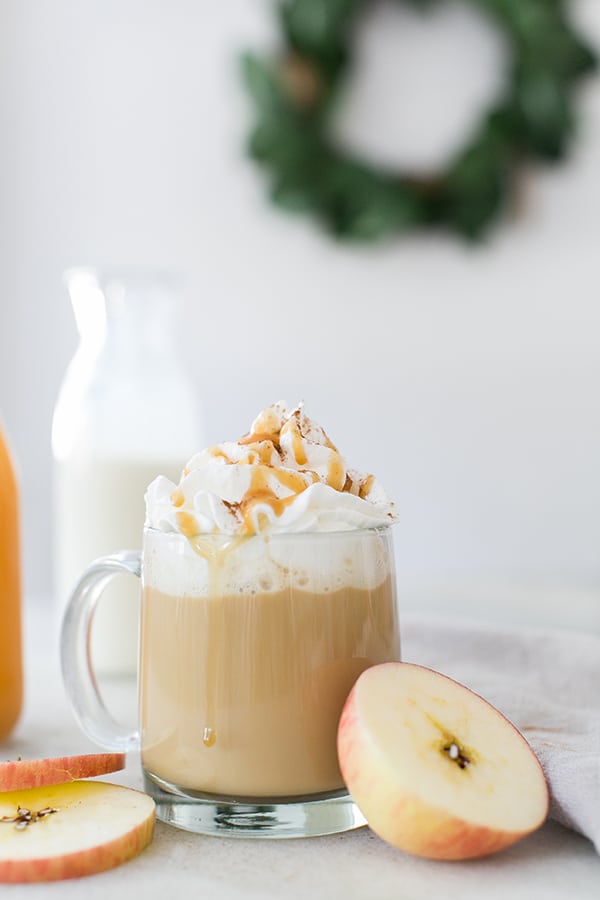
(75, 654)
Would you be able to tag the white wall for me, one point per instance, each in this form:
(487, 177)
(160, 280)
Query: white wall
(467, 379)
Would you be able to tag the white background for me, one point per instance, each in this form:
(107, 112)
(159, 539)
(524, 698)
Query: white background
(467, 379)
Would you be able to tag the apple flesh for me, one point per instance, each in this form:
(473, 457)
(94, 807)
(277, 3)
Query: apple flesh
(30, 773)
(70, 830)
(434, 768)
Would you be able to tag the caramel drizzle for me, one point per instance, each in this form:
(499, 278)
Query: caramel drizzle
(263, 437)
(187, 524)
(262, 445)
(292, 428)
(365, 488)
(261, 454)
(261, 492)
(336, 472)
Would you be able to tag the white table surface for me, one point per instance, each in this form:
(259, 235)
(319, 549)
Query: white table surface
(553, 863)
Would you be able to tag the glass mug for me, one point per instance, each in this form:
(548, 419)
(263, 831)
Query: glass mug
(248, 649)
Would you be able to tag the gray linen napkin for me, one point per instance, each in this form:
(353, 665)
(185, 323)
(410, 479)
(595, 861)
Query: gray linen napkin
(546, 681)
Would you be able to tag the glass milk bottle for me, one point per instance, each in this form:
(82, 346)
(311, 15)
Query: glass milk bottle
(126, 412)
(11, 678)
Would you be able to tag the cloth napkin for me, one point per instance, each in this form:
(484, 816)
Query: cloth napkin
(546, 681)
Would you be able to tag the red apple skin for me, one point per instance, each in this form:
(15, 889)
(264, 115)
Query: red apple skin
(16, 775)
(406, 821)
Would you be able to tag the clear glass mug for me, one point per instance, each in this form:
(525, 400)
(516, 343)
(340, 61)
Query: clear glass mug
(248, 649)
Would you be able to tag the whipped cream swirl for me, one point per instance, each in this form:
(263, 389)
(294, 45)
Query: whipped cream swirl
(285, 475)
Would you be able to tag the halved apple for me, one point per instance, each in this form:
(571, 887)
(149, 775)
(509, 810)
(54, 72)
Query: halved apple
(30, 773)
(434, 768)
(69, 830)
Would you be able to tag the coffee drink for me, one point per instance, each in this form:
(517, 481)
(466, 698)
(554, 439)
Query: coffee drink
(242, 684)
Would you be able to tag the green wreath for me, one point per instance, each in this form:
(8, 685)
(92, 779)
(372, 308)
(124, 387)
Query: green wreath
(294, 95)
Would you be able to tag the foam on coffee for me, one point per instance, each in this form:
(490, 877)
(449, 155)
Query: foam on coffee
(266, 563)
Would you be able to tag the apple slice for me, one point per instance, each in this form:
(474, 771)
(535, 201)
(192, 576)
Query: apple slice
(69, 830)
(435, 769)
(30, 773)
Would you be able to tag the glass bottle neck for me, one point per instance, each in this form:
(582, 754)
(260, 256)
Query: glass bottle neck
(124, 316)
(139, 326)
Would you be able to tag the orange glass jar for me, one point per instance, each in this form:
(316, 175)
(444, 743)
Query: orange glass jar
(11, 676)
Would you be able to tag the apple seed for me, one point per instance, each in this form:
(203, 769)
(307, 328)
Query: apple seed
(456, 754)
(25, 817)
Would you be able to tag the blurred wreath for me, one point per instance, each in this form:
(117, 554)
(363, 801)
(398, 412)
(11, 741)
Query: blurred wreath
(294, 96)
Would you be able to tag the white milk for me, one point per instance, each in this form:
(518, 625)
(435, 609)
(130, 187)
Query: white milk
(99, 510)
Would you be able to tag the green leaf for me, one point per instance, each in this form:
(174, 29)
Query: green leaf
(261, 81)
(359, 203)
(293, 194)
(545, 114)
(317, 25)
(283, 143)
(321, 30)
(381, 217)
(574, 56)
(477, 182)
